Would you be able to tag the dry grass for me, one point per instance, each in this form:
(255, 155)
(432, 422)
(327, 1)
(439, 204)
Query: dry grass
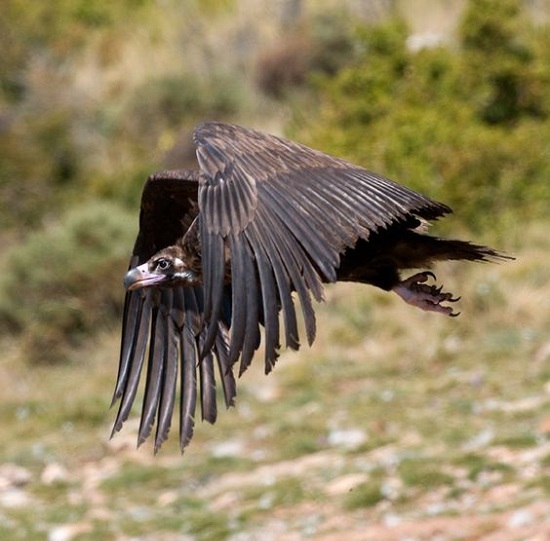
(417, 425)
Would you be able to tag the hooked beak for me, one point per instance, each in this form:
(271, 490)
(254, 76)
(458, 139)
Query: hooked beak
(139, 277)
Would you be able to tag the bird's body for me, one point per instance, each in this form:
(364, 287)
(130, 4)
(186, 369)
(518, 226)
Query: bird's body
(227, 248)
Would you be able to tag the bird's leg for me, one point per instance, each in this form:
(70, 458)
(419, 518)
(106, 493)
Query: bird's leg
(414, 291)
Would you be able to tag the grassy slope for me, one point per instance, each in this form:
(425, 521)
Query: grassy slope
(395, 423)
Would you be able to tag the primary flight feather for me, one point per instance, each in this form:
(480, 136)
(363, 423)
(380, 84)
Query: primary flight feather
(226, 249)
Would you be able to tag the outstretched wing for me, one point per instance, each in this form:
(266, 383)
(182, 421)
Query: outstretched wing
(166, 325)
(285, 213)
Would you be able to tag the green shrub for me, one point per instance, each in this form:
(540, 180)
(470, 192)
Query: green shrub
(323, 45)
(52, 29)
(467, 125)
(63, 283)
(167, 103)
(283, 66)
(38, 159)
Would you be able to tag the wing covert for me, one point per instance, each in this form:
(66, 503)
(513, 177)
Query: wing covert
(284, 213)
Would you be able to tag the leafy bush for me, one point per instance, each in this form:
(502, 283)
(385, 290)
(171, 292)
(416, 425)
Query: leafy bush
(38, 158)
(283, 66)
(50, 29)
(65, 282)
(323, 46)
(469, 126)
(167, 103)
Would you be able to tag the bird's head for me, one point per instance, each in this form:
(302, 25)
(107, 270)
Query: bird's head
(167, 268)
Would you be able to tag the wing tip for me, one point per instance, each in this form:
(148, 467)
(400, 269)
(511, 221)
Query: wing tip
(114, 431)
(116, 397)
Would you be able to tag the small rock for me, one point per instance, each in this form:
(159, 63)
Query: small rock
(480, 440)
(228, 448)
(54, 473)
(14, 497)
(167, 498)
(347, 438)
(392, 520)
(392, 488)
(13, 475)
(66, 532)
(520, 518)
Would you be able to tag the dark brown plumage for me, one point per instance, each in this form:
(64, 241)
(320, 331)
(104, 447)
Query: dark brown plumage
(225, 249)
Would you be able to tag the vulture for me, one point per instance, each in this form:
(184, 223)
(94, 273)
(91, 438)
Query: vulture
(234, 245)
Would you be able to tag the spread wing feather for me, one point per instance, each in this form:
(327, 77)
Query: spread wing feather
(135, 330)
(274, 247)
(252, 332)
(155, 367)
(188, 397)
(270, 302)
(239, 298)
(208, 388)
(169, 323)
(285, 213)
(167, 390)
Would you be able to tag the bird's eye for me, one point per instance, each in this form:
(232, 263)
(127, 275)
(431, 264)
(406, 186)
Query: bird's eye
(163, 264)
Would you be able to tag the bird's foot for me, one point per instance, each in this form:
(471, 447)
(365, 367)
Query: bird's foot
(414, 291)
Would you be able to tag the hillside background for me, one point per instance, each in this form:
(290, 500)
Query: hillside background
(396, 424)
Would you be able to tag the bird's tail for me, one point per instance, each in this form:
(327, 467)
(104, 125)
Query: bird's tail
(445, 249)
(419, 250)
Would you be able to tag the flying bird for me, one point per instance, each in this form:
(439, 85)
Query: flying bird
(230, 247)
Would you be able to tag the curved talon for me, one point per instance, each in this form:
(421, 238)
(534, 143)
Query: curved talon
(424, 296)
(426, 275)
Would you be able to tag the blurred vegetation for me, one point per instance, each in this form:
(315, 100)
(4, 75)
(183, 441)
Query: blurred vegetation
(63, 282)
(51, 32)
(322, 46)
(468, 124)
